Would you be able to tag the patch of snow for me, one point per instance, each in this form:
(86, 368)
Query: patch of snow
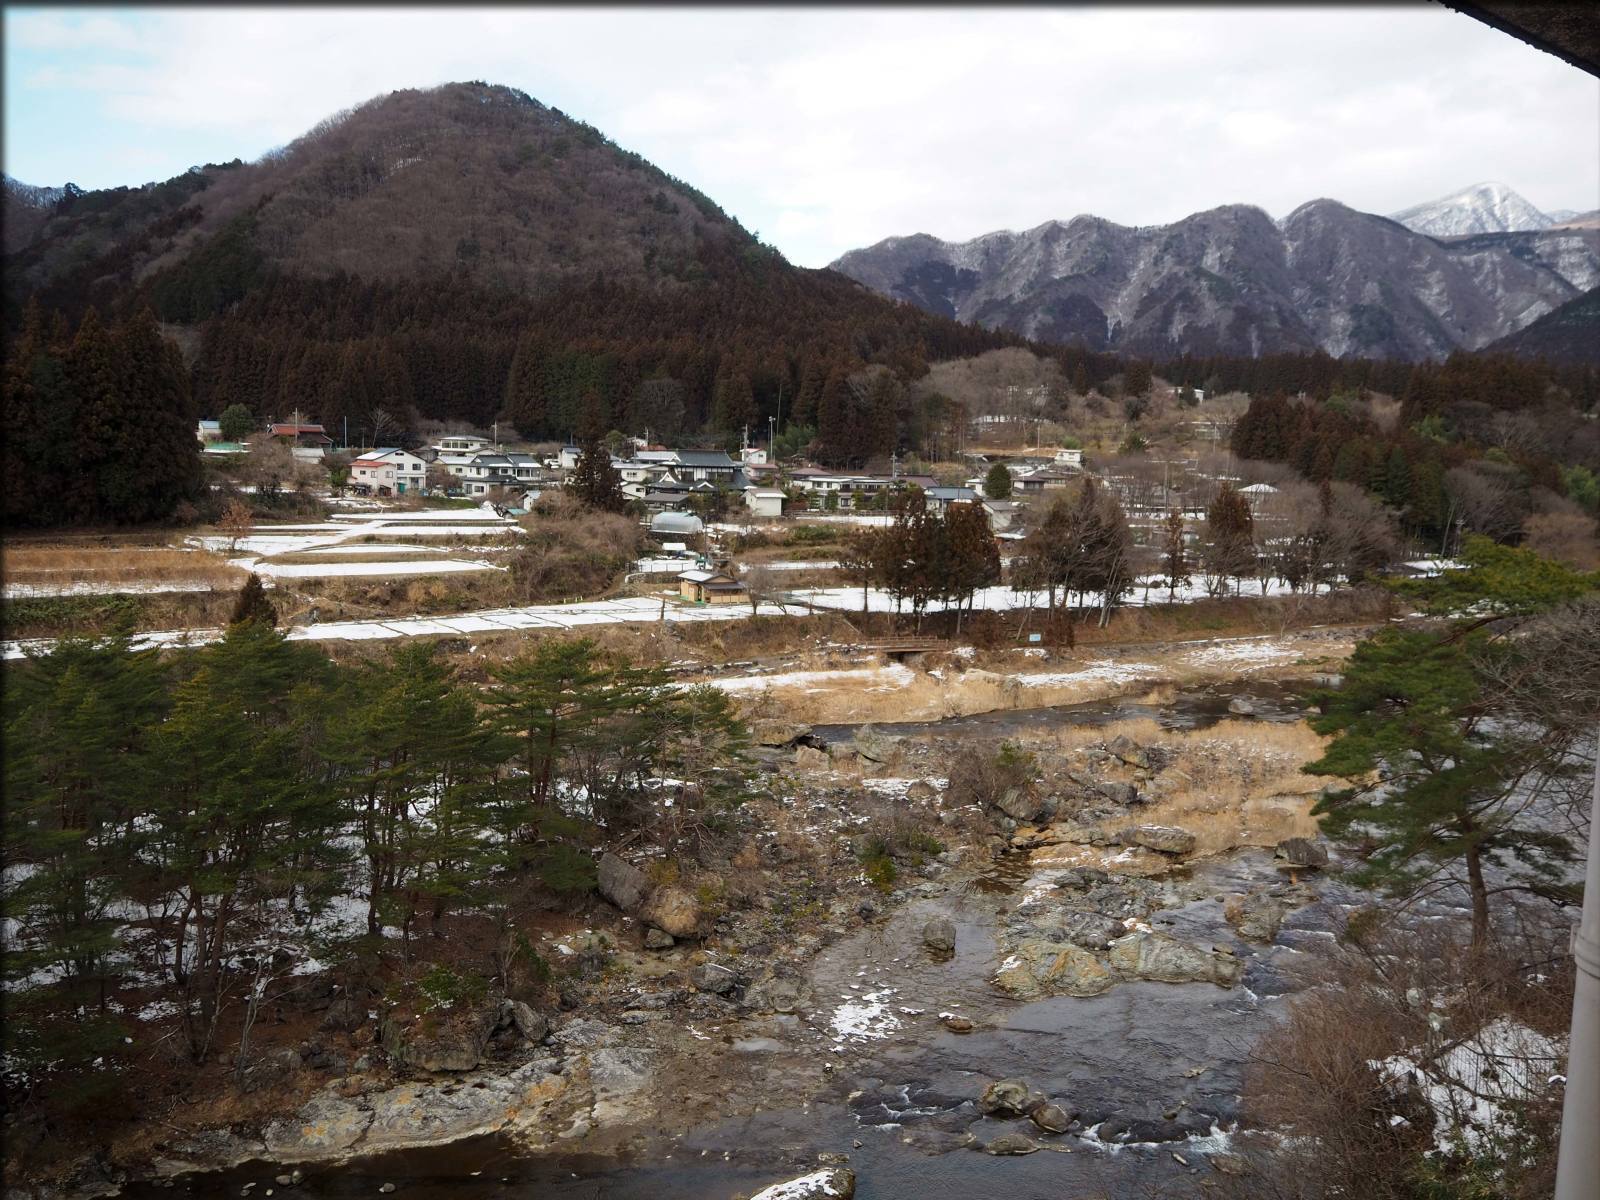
(864, 1017)
(1474, 1086)
(818, 1183)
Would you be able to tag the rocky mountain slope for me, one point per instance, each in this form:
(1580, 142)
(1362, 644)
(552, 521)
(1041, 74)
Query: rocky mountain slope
(1232, 281)
(1481, 208)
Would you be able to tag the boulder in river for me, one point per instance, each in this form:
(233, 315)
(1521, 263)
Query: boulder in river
(1165, 838)
(1011, 1143)
(1090, 930)
(939, 935)
(1124, 1130)
(1302, 852)
(1147, 955)
(1052, 1118)
(1007, 1098)
(1241, 707)
(1256, 916)
(1037, 968)
(672, 910)
(831, 1183)
(624, 885)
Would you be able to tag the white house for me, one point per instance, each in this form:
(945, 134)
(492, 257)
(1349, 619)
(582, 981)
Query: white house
(764, 502)
(1069, 458)
(209, 431)
(391, 471)
(461, 443)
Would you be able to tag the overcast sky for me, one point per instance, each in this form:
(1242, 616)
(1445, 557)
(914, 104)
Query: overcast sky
(828, 129)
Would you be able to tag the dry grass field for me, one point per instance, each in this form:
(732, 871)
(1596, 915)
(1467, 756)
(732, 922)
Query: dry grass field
(27, 566)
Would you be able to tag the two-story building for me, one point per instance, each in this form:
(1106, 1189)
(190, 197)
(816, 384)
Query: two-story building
(390, 472)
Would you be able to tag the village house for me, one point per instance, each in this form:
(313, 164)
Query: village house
(389, 472)
(209, 431)
(941, 498)
(711, 587)
(850, 491)
(301, 436)
(1046, 479)
(462, 443)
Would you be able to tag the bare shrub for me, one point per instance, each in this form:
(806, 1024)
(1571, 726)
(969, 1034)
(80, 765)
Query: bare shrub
(982, 776)
(1346, 1131)
(571, 550)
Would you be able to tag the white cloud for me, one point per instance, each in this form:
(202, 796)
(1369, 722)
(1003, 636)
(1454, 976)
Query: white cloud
(829, 129)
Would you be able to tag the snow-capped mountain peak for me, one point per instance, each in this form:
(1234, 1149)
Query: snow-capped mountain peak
(1481, 208)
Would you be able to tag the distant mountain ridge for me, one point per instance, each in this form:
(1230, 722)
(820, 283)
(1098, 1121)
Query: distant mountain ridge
(1233, 281)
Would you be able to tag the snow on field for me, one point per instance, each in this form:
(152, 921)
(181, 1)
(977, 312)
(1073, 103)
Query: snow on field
(431, 566)
(819, 565)
(444, 515)
(1102, 671)
(885, 679)
(662, 566)
(110, 587)
(1242, 652)
(344, 549)
(627, 610)
(1003, 599)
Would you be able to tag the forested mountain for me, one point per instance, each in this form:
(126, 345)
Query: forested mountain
(466, 252)
(1232, 281)
(1570, 334)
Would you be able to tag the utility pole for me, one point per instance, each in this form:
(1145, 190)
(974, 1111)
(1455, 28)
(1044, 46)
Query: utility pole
(1578, 1160)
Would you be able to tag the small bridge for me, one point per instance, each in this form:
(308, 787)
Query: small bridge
(899, 646)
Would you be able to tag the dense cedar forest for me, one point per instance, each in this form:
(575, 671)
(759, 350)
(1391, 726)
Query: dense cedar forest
(100, 428)
(1474, 442)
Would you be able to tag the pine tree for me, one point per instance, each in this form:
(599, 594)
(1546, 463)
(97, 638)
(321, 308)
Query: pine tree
(1435, 778)
(244, 821)
(254, 605)
(419, 766)
(972, 559)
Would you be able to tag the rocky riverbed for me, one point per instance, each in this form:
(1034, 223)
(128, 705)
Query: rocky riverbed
(1059, 997)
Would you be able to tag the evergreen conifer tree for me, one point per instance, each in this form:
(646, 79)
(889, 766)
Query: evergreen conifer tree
(997, 483)
(254, 604)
